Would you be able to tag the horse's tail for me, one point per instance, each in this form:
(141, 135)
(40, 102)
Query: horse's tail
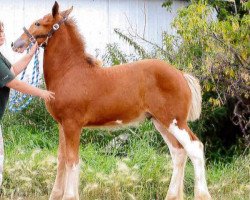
(195, 88)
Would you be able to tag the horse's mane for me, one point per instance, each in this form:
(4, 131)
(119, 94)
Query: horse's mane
(74, 32)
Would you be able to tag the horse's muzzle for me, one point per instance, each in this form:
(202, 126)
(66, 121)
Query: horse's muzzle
(19, 45)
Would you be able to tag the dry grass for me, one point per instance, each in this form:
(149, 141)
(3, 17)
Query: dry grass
(144, 174)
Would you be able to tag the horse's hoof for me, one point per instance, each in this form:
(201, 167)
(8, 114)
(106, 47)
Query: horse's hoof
(69, 197)
(56, 196)
(203, 196)
(173, 197)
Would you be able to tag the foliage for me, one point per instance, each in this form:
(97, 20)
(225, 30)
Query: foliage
(216, 51)
(35, 116)
(114, 55)
(223, 8)
(139, 49)
(144, 173)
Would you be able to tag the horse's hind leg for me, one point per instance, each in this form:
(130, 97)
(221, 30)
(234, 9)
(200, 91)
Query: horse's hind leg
(72, 139)
(179, 157)
(58, 188)
(194, 148)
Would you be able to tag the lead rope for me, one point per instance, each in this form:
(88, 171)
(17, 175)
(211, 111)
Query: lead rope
(20, 101)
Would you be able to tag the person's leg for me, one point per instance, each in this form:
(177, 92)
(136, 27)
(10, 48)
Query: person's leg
(1, 156)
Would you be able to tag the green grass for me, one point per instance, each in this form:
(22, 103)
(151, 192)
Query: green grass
(138, 169)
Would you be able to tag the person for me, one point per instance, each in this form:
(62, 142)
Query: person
(8, 73)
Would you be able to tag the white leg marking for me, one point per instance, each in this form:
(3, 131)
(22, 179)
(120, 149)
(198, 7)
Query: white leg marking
(72, 182)
(194, 150)
(118, 121)
(59, 185)
(58, 188)
(179, 157)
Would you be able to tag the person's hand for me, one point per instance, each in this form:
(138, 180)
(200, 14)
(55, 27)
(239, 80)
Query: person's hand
(33, 49)
(47, 95)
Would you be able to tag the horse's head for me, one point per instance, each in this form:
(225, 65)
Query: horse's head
(42, 29)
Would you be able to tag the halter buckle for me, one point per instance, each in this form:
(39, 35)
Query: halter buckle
(56, 27)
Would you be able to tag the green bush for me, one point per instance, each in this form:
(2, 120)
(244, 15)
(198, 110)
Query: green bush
(217, 52)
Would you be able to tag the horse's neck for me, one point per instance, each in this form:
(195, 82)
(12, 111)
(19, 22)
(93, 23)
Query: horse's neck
(62, 53)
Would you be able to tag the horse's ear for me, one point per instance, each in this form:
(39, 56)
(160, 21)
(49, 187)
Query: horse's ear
(55, 9)
(67, 12)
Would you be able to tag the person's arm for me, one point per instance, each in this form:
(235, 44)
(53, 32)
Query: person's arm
(28, 89)
(20, 65)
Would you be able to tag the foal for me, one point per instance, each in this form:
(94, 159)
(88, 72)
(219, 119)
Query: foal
(91, 96)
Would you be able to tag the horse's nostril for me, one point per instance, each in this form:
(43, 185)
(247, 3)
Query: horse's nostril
(12, 44)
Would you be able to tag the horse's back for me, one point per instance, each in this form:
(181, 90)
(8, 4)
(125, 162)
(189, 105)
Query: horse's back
(166, 89)
(153, 74)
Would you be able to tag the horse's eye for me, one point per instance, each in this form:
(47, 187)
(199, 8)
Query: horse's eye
(37, 24)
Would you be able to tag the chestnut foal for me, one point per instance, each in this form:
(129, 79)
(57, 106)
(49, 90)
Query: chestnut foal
(88, 95)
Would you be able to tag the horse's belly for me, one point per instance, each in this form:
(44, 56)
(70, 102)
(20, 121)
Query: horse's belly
(118, 123)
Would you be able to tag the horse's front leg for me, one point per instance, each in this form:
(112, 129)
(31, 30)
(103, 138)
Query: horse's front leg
(58, 188)
(72, 133)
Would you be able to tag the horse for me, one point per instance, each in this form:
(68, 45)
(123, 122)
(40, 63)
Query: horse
(88, 95)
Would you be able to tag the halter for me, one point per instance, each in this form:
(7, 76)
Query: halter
(19, 102)
(54, 28)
